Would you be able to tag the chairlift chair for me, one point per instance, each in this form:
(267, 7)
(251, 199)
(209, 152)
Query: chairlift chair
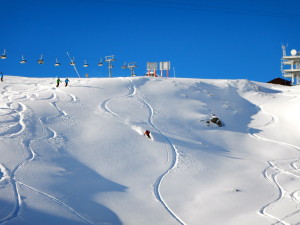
(72, 63)
(3, 56)
(100, 63)
(85, 64)
(124, 66)
(57, 63)
(41, 60)
(23, 60)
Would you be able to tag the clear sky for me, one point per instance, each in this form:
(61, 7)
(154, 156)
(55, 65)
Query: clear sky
(202, 39)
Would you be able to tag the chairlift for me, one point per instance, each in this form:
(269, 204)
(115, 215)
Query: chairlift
(3, 56)
(41, 60)
(85, 64)
(57, 63)
(124, 66)
(100, 63)
(72, 63)
(23, 60)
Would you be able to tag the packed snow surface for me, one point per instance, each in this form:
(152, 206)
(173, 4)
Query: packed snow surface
(77, 154)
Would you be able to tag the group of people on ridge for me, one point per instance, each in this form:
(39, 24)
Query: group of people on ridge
(58, 81)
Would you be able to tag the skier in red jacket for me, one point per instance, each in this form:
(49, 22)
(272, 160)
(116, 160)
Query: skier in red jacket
(147, 133)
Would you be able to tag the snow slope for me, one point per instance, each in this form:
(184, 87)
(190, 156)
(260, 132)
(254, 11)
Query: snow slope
(77, 154)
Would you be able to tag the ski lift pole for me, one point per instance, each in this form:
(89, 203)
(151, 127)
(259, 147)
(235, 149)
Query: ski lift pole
(109, 59)
(131, 71)
(74, 66)
(109, 68)
(131, 66)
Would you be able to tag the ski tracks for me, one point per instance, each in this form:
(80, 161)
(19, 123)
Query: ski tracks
(284, 175)
(14, 113)
(172, 164)
(133, 92)
(17, 110)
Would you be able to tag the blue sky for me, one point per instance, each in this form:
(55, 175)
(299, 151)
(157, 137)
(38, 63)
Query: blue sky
(202, 39)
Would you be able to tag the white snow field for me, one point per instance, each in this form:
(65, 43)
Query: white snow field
(77, 154)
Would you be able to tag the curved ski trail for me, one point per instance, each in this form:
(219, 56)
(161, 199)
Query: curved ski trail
(174, 152)
(173, 163)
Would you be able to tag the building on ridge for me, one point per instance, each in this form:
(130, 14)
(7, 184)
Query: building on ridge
(294, 62)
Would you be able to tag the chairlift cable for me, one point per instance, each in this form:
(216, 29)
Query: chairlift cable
(230, 10)
(198, 7)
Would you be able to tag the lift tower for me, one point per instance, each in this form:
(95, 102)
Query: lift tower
(110, 59)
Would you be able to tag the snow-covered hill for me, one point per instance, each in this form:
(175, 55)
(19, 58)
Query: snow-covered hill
(77, 154)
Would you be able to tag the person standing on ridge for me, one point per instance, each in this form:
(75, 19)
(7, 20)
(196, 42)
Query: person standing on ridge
(1, 77)
(57, 82)
(66, 82)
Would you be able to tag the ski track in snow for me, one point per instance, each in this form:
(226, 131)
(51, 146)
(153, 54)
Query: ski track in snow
(58, 201)
(272, 172)
(174, 152)
(18, 108)
(173, 163)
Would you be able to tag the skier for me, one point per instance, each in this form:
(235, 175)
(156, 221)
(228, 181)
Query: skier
(66, 82)
(147, 133)
(1, 77)
(57, 82)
